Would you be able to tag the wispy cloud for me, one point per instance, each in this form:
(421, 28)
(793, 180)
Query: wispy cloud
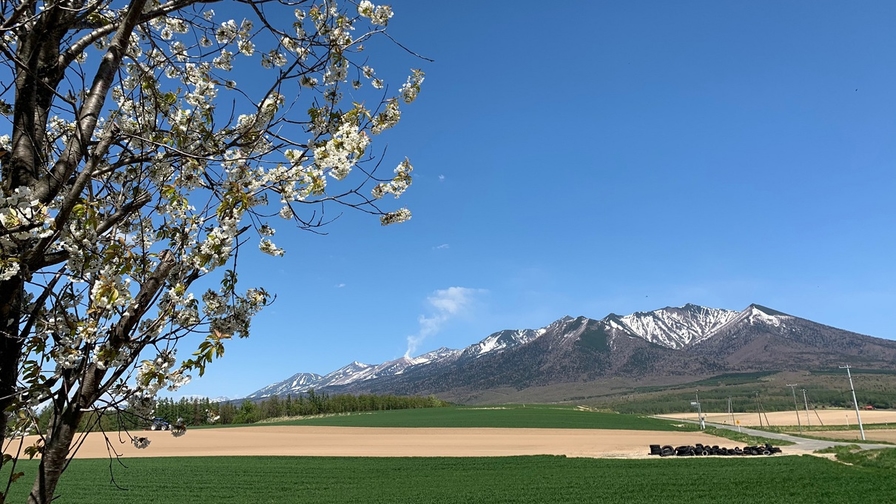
(339, 285)
(444, 304)
(440, 247)
(441, 178)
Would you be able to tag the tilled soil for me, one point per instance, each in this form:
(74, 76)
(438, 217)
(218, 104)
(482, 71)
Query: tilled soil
(785, 418)
(393, 442)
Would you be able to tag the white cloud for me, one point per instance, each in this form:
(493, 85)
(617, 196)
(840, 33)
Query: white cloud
(441, 178)
(440, 247)
(340, 285)
(445, 304)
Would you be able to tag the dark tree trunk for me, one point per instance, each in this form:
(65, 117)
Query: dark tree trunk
(10, 345)
(55, 455)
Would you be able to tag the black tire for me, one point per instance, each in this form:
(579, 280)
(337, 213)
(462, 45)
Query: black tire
(766, 452)
(667, 451)
(655, 449)
(153, 427)
(704, 452)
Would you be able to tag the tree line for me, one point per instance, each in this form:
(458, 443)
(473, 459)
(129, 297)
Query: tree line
(195, 411)
(313, 403)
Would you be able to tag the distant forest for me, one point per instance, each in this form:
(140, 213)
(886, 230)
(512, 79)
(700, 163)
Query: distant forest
(194, 411)
(205, 412)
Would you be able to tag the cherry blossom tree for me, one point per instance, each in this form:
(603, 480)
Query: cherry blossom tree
(147, 144)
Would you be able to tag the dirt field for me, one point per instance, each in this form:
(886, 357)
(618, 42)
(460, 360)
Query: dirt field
(871, 435)
(397, 442)
(783, 418)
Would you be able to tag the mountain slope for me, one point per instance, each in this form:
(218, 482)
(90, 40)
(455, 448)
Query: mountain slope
(670, 342)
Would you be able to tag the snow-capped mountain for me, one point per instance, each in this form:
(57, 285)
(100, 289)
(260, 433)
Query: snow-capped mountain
(358, 371)
(502, 340)
(298, 381)
(674, 341)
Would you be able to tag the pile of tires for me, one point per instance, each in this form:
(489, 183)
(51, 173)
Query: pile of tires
(701, 450)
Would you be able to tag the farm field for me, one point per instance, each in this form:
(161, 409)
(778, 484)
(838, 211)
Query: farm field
(786, 418)
(554, 417)
(443, 432)
(280, 440)
(470, 480)
(871, 435)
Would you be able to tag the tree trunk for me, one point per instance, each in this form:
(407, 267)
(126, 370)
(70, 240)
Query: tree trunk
(10, 345)
(55, 455)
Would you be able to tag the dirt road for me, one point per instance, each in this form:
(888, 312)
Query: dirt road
(396, 442)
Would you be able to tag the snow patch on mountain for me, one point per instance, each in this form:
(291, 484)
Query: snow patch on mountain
(296, 382)
(757, 316)
(678, 327)
(502, 340)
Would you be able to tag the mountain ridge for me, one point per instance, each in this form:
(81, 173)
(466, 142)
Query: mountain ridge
(670, 341)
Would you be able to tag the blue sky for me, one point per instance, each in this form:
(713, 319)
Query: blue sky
(584, 158)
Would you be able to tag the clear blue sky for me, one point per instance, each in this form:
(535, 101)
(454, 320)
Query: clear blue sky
(588, 157)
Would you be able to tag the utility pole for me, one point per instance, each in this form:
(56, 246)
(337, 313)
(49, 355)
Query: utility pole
(854, 401)
(795, 407)
(806, 402)
(699, 410)
(759, 409)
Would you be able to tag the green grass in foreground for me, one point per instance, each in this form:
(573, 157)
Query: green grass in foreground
(492, 480)
(508, 417)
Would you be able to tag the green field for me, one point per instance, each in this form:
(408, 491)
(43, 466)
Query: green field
(507, 417)
(539, 479)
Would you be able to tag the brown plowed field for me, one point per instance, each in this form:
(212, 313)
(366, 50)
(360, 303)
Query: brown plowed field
(784, 418)
(396, 442)
(871, 435)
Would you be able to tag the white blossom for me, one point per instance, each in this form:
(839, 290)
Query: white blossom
(268, 247)
(388, 118)
(378, 15)
(8, 269)
(246, 47)
(224, 60)
(226, 33)
(398, 216)
(411, 88)
(398, 184)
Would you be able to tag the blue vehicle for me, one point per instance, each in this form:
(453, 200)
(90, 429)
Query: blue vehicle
(159, 423)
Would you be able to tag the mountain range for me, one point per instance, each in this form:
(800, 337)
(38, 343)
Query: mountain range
(665, 345)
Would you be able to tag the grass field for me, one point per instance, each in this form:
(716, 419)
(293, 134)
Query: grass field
(470, 480)
(507, 417)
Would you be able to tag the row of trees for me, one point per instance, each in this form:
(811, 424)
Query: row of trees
(204, 411)
(201, 411)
